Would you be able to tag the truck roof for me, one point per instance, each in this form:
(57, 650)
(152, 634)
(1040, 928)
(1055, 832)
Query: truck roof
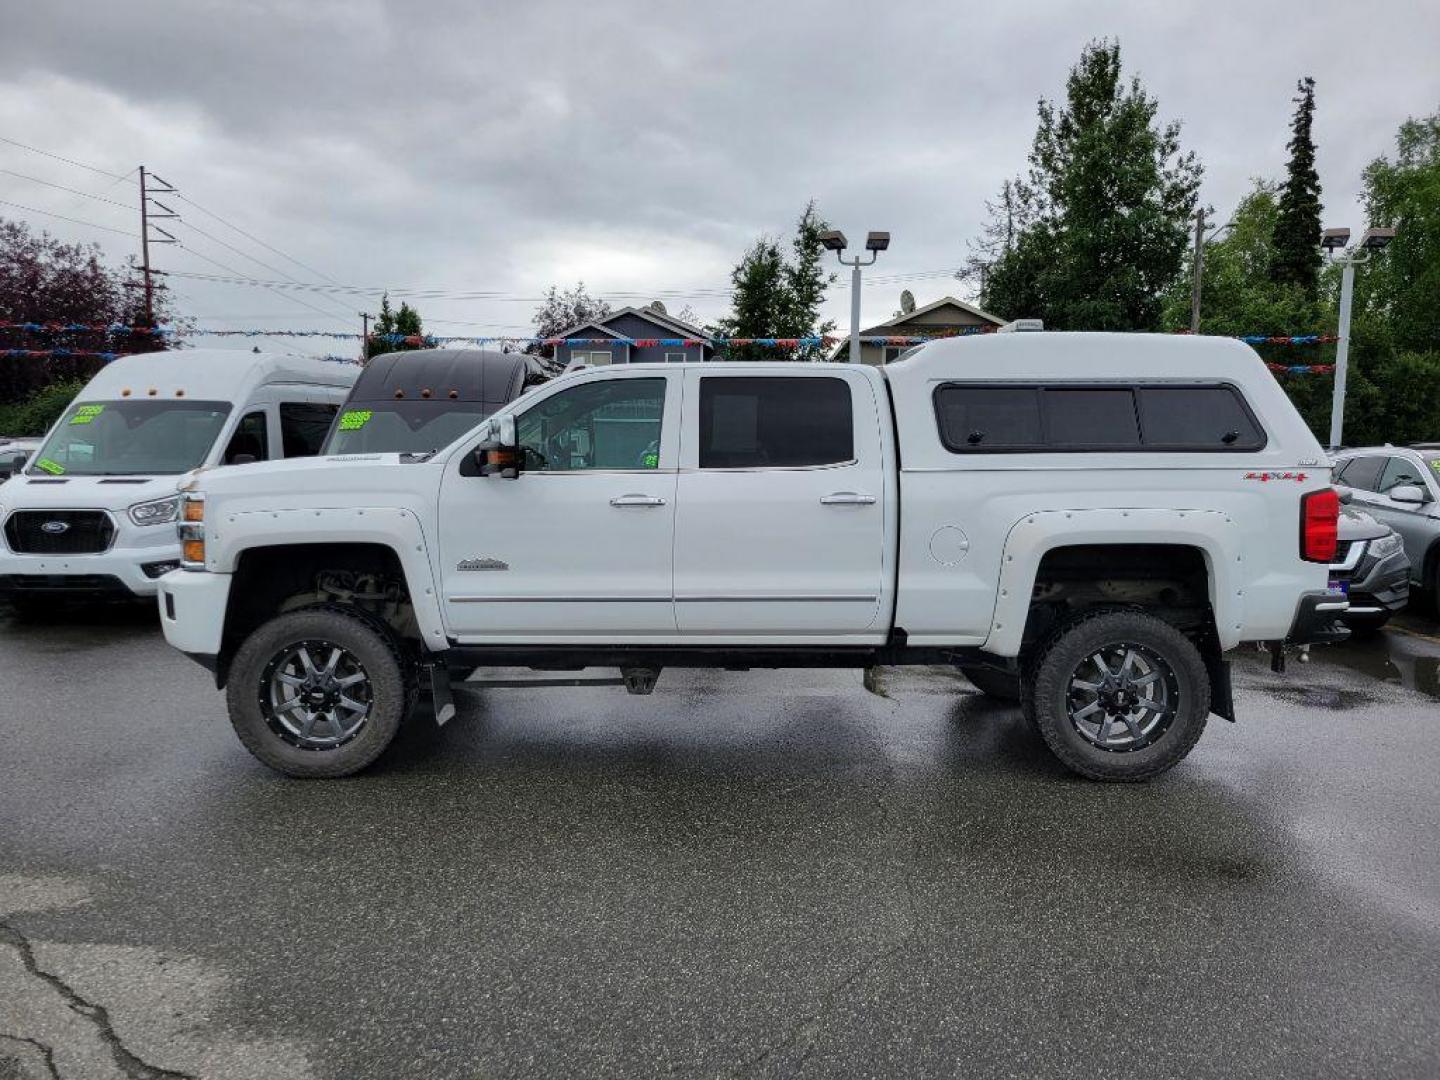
(212, 374)
(443, 375)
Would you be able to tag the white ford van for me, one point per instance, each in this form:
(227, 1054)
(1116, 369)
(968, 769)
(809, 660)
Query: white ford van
(92, 515)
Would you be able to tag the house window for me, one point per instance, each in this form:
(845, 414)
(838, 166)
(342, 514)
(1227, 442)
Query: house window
(598, 358)
(675, 358)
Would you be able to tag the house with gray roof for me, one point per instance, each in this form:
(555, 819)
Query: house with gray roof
(635, 335)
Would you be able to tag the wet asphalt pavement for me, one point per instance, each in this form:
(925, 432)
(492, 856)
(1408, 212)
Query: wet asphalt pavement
(764, 874)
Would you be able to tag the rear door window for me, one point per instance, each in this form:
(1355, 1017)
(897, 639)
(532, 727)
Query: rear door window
(775, 422)
(303, 426)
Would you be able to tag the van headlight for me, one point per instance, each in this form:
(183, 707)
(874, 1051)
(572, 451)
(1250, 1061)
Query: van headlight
(192, 530)
(1386, 546)
(159, 512)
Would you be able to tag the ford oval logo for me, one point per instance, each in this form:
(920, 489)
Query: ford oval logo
(55, 528)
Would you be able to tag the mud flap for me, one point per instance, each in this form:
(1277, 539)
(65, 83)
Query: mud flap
(1222, 694)
(436, 679)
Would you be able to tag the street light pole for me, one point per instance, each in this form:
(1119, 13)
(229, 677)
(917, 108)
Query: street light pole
(1199, 261)
(1333, 240)
(875, 242)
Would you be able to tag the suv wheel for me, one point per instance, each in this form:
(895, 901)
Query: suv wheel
(1120, 695)
(317, 693)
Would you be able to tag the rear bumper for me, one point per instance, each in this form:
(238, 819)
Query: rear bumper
(1317, 620)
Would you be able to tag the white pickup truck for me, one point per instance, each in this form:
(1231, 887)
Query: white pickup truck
(1082, 522)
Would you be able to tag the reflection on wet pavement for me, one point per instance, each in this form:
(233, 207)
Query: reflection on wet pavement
(1398, 654)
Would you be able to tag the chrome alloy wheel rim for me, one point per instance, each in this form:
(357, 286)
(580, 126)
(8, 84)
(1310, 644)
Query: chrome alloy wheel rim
(1122, 697)
(316, 695)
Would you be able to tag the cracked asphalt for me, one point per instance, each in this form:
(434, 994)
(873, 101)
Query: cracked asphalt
(765, 874)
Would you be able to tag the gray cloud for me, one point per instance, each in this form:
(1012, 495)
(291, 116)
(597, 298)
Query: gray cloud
(641, 145)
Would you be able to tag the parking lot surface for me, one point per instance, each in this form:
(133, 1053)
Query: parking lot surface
(762, 874)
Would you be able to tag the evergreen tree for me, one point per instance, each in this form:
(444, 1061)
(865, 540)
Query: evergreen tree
(1297, 228)
(1099, 227)
(405, 323)
(775, 297)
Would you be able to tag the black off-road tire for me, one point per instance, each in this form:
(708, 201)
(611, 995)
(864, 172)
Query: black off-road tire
(1048, 695)
(1000, 685)
(389, 688)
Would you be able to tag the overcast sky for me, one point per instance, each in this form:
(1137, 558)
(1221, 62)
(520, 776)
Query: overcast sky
(637, 146)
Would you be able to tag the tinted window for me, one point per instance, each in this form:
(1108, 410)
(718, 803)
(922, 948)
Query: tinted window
(984, 416)
(609, 424)
(1400, 471)
(250, 438)
(1097, 418)
(303, 427)
(1197, 418)
(774, 422)
(1363, 473)
(1078, 418)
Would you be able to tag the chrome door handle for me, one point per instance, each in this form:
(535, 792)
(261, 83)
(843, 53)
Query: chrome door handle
(637, 500)
(847, 498)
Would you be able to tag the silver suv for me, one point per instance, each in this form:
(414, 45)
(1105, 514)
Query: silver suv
(1400, 486)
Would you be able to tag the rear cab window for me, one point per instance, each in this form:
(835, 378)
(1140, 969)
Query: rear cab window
(1077, 417)
(775, 422)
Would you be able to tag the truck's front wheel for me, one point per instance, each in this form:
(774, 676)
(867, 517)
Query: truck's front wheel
(1120, 695)
(317, 693)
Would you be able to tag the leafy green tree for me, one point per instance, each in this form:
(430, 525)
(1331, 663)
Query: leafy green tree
(405, 323)
(772, 296)
(1297, 258)
(1098, 229)
(561, 310)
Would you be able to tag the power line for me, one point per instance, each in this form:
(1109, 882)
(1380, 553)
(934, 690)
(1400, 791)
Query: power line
(246, 255)
(257, 240)
(71, 190)
(68, 161)
(62, 217)
(232, 270)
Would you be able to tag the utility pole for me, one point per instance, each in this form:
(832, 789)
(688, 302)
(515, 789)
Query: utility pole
(1199, 262)
(146, 224)
(1332, 241)
(364, 336)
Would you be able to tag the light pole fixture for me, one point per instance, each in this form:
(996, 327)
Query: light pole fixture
(875, 242)
(1332, 241)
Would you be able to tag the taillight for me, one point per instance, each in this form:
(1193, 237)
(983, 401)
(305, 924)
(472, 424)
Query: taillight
(1319, 525)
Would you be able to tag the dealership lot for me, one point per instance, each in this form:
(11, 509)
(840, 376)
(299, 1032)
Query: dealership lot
(779, 873)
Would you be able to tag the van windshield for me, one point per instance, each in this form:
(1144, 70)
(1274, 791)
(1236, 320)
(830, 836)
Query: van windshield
(402, 427)
(130, 438)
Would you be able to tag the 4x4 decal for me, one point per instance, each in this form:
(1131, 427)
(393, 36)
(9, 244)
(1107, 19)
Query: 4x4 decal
(1298, 477)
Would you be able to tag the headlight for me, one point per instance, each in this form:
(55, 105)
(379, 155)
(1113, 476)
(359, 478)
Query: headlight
(159, 512)
(1386, 545)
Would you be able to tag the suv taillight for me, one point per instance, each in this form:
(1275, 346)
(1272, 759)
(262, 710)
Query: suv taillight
(1319, 525)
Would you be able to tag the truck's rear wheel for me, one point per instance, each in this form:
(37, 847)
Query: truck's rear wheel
(317, 693)
(1120, 695)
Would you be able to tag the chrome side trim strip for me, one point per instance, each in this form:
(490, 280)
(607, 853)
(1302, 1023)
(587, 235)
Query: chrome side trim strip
(559, 599)
(841, 599)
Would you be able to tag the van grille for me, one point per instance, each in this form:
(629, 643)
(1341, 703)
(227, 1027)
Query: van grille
(36, 532)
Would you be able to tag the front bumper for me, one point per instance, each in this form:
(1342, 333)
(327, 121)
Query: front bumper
(1380, 588)
(192, 610)
(1317, 620)
(133, 570)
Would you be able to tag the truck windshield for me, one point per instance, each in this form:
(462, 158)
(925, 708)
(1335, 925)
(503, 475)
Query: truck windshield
(402, 427)
(130, 438)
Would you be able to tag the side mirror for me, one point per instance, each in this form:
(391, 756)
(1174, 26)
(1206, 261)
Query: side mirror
(1346, 495)
(1412, 494)
(498, 451)
(242, 459)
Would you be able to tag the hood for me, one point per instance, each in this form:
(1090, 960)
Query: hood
(344, 480)
(1358, 525)
(83, 492)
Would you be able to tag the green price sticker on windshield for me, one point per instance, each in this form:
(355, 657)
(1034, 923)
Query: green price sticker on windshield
(46, 465)
(652, 461)
(355, 419)
(86, 414)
